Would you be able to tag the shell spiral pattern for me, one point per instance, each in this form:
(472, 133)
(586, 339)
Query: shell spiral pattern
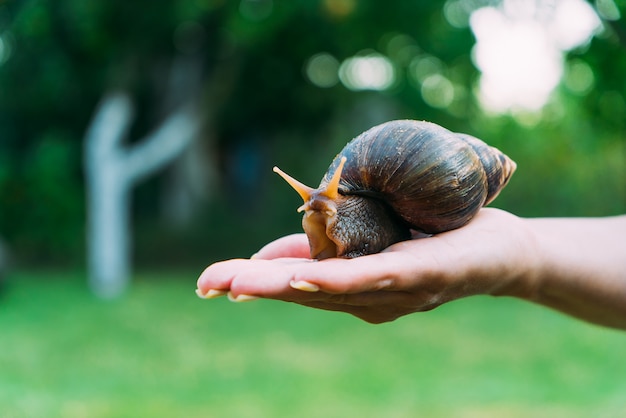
(398, 176)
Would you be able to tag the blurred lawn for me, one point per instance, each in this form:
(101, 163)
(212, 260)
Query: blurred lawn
(162, 352)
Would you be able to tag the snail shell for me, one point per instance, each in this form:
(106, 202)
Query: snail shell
(398, 176)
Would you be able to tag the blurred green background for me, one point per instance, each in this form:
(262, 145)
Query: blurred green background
(288, 83)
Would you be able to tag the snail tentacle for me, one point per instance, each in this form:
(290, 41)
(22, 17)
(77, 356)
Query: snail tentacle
(303, 190)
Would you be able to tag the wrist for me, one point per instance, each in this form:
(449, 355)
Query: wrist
(521, 275)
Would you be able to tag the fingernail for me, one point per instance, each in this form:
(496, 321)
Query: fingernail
(215, 293)
(304, 286)
(253, 256)
(211, 294)
(241, 298)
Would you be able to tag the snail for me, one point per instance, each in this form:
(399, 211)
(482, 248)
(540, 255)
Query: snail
(396, 177)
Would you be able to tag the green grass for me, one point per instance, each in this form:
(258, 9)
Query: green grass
(161, 352)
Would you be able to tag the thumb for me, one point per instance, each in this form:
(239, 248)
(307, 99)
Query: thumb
(295, 245)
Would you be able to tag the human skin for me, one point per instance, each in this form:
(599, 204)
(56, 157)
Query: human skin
(574, 265)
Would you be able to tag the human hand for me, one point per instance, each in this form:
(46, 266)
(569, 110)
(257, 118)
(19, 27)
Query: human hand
(493, 254)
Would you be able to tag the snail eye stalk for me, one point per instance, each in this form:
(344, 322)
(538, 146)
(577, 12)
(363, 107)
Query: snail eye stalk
(332, 188)
(303, 190)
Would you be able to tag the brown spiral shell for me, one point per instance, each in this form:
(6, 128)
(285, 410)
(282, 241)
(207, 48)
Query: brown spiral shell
(434, 179)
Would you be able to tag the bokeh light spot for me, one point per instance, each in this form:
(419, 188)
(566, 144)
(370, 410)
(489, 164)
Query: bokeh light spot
(423, 66)
(5, 49)
(457, 12)
(578, 77)
(607, 9)
(322, 70)
(520, 47)
(574, 23)
(370, 72)
(437, 91)
(339, 8)
(400, 48)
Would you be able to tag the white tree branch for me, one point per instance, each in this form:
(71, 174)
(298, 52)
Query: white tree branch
(164, 144)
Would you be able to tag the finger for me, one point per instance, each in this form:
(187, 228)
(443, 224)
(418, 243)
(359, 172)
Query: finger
(278, 278)
(218, 276)
(264, 278)
(272, 278)
(383, 271)
(295, 245)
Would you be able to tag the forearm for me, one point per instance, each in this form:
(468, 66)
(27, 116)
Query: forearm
(582, 267)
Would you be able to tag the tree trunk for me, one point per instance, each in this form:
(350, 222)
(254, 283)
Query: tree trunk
(107, 197)
(112, 171)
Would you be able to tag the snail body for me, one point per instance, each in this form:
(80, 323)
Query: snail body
(394, 177)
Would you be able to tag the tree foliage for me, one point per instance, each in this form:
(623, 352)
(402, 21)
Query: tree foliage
(59, 58)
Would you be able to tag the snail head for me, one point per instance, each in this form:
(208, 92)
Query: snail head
(320, 212)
